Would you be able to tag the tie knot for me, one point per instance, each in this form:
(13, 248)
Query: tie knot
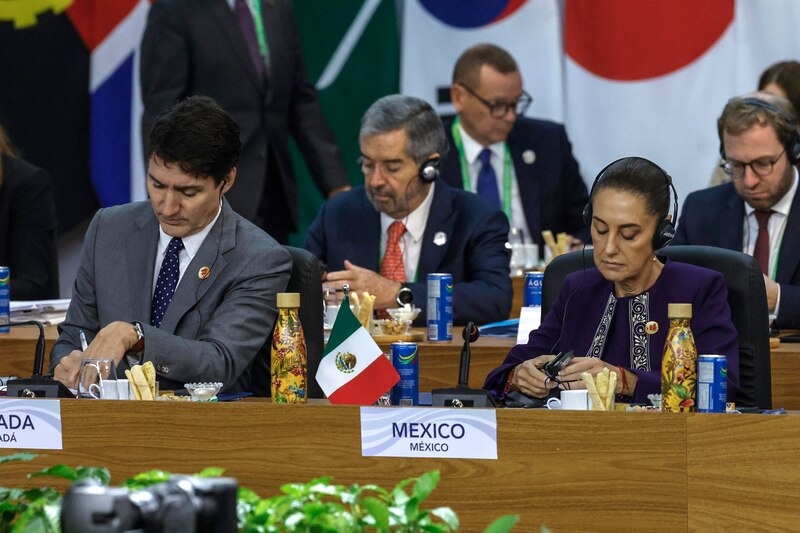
(485, 156)
(175, 246)
(762, 217)
(396, 230)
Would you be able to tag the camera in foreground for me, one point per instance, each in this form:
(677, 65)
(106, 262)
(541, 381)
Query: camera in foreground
(181, 504)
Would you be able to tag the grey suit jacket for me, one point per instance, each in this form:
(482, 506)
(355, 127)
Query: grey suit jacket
(215, 329)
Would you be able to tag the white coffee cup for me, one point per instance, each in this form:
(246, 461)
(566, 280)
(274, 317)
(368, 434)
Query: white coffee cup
(123, 392)
(571, 400)
(106, 390)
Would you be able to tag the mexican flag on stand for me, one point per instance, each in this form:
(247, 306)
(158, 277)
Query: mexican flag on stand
(353, 369)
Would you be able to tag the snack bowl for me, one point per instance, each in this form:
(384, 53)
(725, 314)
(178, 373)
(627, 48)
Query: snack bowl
(404, 313)
(203, 392)
(392, 327)
(655, 399)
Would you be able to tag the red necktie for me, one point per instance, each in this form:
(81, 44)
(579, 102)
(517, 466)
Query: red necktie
(761, 250)
(392, 266)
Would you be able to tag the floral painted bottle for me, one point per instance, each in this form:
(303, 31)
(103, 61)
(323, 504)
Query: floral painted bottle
(679, 364)
(288, 361)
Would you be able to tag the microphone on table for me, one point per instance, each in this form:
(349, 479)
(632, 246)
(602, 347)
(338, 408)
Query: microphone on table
(37, 386)
(462, 395)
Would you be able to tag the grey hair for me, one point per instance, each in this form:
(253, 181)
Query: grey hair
(422, 125)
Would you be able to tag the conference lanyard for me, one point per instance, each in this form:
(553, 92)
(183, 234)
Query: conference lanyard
(465, 177)
(260, 34)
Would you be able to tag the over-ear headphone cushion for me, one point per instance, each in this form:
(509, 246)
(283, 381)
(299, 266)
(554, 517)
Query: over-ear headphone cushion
(429, 169)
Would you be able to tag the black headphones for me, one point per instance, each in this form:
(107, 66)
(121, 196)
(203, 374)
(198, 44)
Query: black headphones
(429, 169)
(665, 230)
(792, 146)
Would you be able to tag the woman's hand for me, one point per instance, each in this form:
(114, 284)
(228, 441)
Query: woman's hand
(529, 378)
(570, 376)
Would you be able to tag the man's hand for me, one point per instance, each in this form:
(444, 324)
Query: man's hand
(338, 190)
(68, 368)
(112, 342)
(362, 279)
(772, 293)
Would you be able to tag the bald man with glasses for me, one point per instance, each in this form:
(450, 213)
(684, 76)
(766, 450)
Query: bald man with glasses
(758, 212)
(521, 165)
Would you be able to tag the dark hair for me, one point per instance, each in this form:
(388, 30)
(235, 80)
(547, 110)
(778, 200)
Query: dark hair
(640, 177)
(739, 116)
(786, 75)
(469, 64)
(423, 126)
(199, 136)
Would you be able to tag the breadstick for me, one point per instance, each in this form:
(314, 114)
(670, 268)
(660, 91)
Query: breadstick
(137, 395)
(547, 235)
(612, 387)
(597, 405)
(562, 242)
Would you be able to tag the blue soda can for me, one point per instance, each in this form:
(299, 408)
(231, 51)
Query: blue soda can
(712, 383)
(440, 307)
(5, 299)
(532, 297)
(406, 362)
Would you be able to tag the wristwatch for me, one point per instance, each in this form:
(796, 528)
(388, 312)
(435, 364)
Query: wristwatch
(404, 296)
(139, 346)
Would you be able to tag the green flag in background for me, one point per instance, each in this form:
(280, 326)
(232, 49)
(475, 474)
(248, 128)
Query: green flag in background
(352, 53)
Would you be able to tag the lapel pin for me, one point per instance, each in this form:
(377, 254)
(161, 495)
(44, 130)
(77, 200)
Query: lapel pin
(440, 238)
(529, 156)
(651, 327)
(204, 272)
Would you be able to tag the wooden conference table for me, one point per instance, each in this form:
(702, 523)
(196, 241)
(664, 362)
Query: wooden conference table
(573, 471)
(438, 362)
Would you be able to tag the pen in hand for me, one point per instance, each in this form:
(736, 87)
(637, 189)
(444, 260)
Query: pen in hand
(83, 341)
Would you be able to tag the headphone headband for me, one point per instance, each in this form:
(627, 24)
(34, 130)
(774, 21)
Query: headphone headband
(792, 146)
(666, 228)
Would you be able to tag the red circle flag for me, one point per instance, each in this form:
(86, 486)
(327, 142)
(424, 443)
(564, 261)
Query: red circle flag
(630, 40)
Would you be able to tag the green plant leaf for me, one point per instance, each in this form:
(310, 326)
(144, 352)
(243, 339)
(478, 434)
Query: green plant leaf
(447, 515)
(211, 471)
(378, 511)
(101, 474)
(425, 484)
(60, 471)
(19, 456)
(504, 524)
(145, 479)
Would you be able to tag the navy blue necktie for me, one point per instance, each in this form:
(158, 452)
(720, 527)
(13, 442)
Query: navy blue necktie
(167, 281)
(487, 179)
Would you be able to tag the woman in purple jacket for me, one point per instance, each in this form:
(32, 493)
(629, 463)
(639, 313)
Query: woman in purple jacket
(615, 315)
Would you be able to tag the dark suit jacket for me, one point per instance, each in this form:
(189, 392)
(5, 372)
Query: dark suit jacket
(196, 47)
(215, 329)
(715, 217)
(349, 227)
(552, 191)
(28, 230)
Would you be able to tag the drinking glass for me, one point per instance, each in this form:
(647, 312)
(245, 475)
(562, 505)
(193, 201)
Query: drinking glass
(94, 378)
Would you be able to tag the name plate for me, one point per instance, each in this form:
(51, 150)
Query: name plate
(428, 432)
(30, 424)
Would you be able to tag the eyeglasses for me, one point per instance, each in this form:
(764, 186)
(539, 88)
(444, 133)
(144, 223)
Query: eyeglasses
(500, 109)
(761, 167)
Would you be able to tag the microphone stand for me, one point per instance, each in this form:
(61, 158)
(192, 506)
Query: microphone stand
(38, 386)
(462, 395)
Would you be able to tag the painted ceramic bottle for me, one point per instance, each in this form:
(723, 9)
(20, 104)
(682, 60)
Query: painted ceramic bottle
(679, 364)
(288, 360)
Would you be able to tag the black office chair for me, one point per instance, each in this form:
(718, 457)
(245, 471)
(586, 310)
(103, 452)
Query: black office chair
(746, 298)
(306, 278)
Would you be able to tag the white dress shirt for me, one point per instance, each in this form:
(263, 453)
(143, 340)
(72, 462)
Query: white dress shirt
(411, 241)
(191, 244)
(472, 149)
(776, 228)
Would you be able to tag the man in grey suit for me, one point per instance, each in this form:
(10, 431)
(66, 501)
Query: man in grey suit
(180, 280)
